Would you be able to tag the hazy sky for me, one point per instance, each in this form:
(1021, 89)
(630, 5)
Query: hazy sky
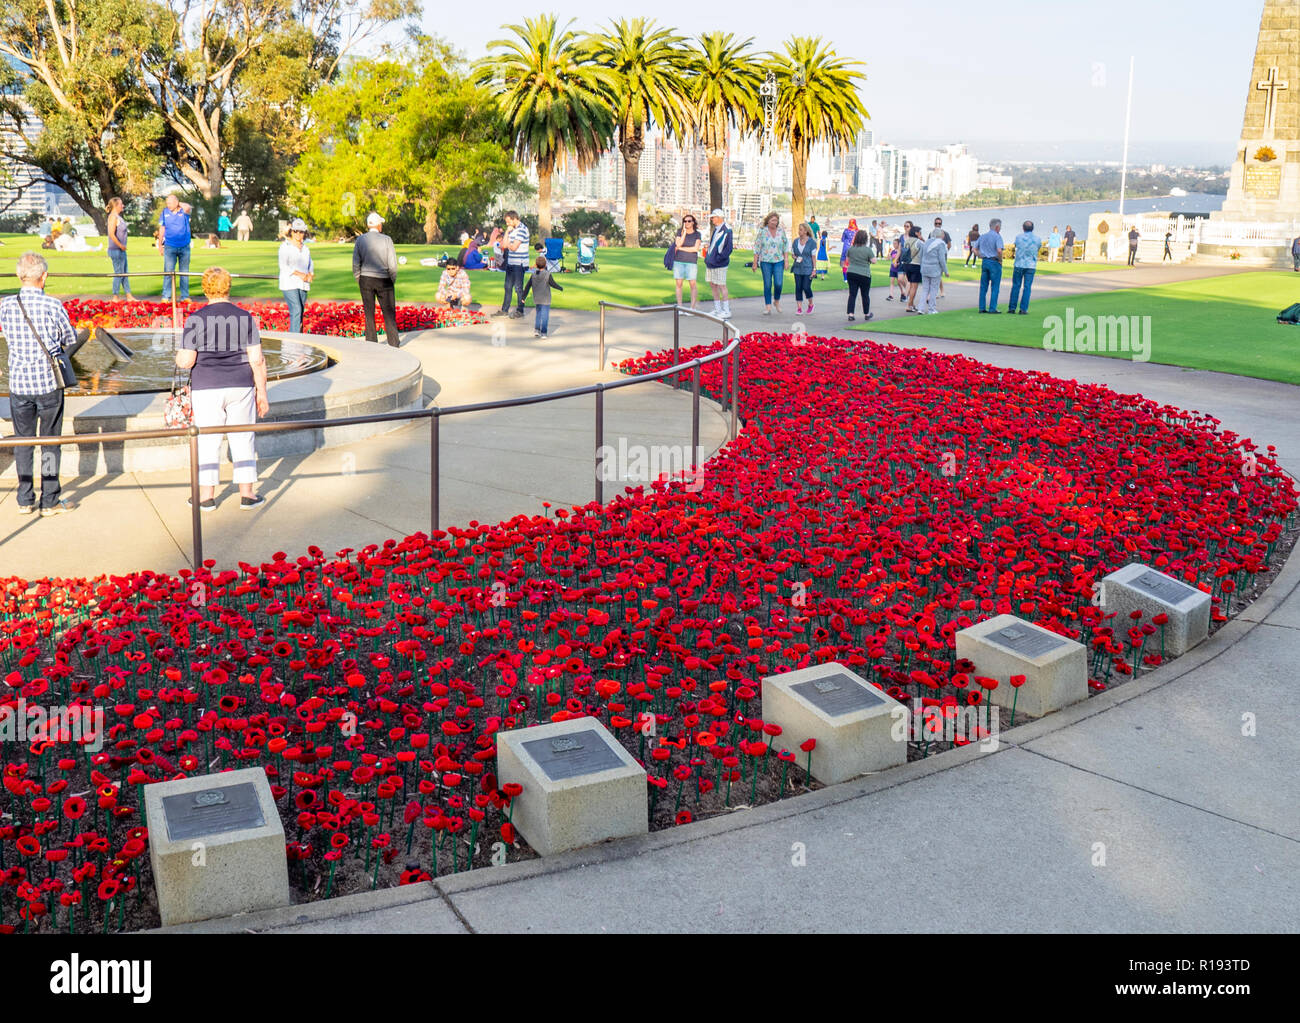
(1015, 71)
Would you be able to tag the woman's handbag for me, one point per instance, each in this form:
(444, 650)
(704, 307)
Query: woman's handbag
(64, 375)
(179, 409)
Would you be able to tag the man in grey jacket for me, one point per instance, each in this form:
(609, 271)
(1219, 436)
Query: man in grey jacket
(934, 264)
(374, 265)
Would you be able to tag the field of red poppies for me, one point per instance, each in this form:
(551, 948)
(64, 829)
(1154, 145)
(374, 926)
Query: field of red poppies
(877, 500)
(334, 319)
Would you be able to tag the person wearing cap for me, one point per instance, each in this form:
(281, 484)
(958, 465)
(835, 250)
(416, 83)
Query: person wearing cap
(716, 260)
(374, 265)
(296, 273)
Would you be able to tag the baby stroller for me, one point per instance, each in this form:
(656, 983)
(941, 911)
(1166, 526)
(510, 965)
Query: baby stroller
(555, 255)
(587, 256)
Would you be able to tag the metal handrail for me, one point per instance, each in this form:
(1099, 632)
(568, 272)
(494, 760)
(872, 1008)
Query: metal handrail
(679, 311)
(434, 415)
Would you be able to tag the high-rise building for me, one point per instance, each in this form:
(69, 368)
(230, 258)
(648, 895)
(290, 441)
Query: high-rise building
(21, 192)
(887, 171)
(603, 181)
(681, 175)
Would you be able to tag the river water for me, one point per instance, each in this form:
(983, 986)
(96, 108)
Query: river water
(958, 221)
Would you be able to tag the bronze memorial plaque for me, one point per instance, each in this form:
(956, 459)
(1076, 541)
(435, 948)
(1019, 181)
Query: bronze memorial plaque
(574, 754)
(1262, 181)
(212, 811)
(1171, 591)
(1027, 641)
(836, 695)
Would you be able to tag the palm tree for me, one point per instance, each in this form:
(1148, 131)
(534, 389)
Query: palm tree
(555, 102)
(818, 102)
(724, 94)
(649, 66)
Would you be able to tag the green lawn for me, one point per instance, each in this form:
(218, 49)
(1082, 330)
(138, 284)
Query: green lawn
(1226, 324)
(630, 276)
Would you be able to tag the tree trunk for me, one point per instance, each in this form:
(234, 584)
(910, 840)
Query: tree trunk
(799, 184)
(544, 201)
(632, 198)
(432, 230)
(716, 180)
(93, 210)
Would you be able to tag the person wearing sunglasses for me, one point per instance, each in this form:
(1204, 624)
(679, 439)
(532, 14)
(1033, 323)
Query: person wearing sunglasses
(689, 246)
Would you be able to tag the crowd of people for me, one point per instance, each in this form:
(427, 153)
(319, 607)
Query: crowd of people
(226, 371)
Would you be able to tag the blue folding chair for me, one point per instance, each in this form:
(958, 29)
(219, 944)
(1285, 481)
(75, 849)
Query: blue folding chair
(555, 255)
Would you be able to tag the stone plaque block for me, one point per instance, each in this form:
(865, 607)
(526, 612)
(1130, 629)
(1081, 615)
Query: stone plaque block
(580, 786)
(216, 845)
(1137, 587)
(1055, 667)
(850, 718)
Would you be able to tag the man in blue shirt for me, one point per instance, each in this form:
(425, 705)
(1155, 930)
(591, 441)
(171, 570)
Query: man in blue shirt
(990, 248)
(1022, 276)
(175, 221)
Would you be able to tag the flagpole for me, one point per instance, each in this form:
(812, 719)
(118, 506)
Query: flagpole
(1128, 116)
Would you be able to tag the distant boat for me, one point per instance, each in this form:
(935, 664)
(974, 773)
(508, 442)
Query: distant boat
(1178, 192)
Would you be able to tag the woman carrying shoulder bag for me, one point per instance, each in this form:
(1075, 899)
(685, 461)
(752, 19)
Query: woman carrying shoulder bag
(803, 251)
(222, 348)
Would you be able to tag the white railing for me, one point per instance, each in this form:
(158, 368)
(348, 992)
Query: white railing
(1228, 232)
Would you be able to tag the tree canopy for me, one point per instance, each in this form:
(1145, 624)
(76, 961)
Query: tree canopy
(411, 129)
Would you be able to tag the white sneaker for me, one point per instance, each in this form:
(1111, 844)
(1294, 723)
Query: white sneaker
(726, 312)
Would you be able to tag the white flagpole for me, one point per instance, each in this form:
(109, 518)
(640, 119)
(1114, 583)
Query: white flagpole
(1128, 114)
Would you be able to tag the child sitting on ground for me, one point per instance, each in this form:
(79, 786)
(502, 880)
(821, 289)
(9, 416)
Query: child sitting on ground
(541, 282)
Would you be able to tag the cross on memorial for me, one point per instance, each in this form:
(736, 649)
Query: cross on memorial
(1272, 86)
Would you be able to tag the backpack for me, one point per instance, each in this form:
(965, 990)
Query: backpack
(905, 252)
(1291, 314)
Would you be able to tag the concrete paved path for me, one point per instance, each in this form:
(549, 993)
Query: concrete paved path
(1144, 809)
(494, 464)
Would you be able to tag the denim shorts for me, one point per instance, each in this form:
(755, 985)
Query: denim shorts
(684, 271)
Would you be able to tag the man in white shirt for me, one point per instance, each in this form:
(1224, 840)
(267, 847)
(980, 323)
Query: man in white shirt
(514, 247)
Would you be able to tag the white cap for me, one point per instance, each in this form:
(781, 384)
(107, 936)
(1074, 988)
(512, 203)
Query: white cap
(718, 213)
(374, 220)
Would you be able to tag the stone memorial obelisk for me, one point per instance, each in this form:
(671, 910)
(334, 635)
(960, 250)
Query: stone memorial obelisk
(1265, 181)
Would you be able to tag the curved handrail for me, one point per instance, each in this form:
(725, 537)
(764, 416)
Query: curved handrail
(731, 375)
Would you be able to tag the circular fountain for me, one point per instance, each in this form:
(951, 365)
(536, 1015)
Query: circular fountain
(102, 368)
(125, 375)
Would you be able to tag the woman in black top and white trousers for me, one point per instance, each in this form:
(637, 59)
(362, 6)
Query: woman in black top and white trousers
(222, 347)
